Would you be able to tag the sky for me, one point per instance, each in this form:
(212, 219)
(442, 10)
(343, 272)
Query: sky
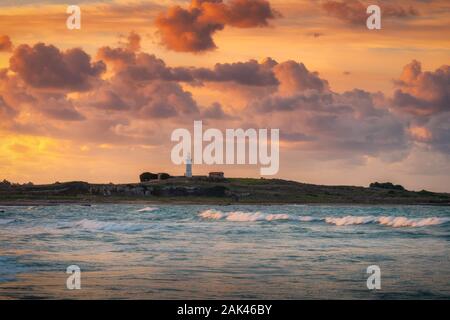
(353, 105)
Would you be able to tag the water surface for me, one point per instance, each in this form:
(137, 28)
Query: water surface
(225, 252)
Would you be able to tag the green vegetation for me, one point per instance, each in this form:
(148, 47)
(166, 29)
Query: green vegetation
(227, 191)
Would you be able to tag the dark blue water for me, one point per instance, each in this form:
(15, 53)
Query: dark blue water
(228, 252)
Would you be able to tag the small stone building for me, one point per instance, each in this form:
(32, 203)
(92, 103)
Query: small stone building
(216, 175)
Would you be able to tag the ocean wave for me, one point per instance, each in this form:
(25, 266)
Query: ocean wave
(390, 221)
(308, 218)
(350, 220)
(147, 209)
(211, 214)
(256, 216)
(95, 225)
(241, 216)
(405, 222)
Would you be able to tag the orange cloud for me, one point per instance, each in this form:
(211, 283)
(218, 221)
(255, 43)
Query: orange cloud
(192, 29)
(423, 93)
(45, 66)
(5, 44)
(420, 133)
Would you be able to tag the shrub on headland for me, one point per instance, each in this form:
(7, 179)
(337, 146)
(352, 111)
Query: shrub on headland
(386, 185)
(147, 176)
(5, 184)
(163, 176)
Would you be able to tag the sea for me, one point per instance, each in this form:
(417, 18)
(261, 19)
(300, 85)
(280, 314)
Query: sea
(134, 251)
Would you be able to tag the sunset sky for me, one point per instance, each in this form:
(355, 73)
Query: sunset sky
(353, 105)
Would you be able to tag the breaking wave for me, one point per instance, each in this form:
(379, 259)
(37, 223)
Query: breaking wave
(404, 222)
(147, 209)
(242, 216)
(391, 221)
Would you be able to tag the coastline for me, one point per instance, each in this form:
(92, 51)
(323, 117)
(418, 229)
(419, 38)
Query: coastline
(222, 202)
(231, 191)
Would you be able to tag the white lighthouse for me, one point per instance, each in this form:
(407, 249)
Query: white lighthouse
(188, 173)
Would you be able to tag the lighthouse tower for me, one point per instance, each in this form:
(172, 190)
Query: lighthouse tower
(188, 173)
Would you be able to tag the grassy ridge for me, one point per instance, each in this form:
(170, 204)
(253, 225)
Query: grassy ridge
(233, 190)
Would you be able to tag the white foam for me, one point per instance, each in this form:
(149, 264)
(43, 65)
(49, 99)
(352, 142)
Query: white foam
(397, 222)
(211, 214)
(308, 218)
(254, 216)
(147, 209)
(390, 221)
(271, 217)
(349, 220)
(241, 216)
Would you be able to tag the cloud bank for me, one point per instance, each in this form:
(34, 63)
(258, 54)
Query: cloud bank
(64, 94)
